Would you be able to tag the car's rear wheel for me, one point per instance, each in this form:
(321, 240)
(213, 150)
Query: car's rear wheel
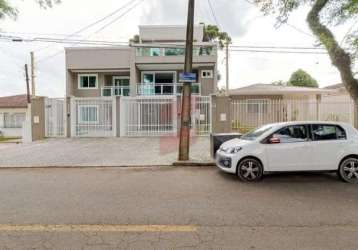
(250, 170)
(348, 170)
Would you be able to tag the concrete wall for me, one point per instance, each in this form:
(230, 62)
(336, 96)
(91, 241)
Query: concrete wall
(168, 32)
(38, 118)
(221, 116)
(98, 58)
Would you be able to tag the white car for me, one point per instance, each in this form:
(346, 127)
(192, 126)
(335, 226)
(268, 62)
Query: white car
(292, 146)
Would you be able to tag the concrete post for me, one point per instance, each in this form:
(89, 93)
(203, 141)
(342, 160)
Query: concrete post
(355, 115)
(318, 107)
(38, 118)
(221, 115)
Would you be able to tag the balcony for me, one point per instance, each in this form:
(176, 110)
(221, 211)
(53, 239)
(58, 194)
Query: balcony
(145, 89)
(176, 51)
(115, 91)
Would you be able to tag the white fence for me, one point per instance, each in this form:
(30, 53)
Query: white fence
(93, 117)
(201, 115)
(249, 114)
(148, 116)
(54, 117)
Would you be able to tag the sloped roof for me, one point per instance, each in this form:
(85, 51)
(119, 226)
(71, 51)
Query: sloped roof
(335, 86)
(271, 89)
(16, 101)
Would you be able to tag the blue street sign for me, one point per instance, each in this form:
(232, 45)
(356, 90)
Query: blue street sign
(187, 77)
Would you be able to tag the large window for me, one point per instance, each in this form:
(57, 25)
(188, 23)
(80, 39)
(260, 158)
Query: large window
(88, 81)
(88, 114)
(327, 132)
(13, 120)
(257, 106)
(296, 133)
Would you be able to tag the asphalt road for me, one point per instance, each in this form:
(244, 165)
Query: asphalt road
(173, 208)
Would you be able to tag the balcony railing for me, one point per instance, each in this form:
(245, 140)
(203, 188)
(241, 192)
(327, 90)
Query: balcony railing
(146, 89)
(115, 91)
(197, 51)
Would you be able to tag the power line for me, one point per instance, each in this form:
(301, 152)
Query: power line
(276, 47)
(213, 13)
(280, 52)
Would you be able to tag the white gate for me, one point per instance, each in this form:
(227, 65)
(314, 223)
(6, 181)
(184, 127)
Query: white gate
(54, 117)
(201, 115)
(93, 117)
(148, 116)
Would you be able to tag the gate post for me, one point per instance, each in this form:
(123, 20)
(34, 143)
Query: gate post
(114, 116)
(73, 116)
(355, 114)
(221, 114)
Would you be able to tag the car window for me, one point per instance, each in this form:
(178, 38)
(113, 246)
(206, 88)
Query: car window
(321, 132)
(295, 133)
(252, 135)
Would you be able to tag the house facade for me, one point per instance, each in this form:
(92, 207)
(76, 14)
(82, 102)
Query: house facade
(135, 90)
(12, 115)
(150, 67)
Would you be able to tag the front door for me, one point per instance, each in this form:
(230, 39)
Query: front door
(293, 152)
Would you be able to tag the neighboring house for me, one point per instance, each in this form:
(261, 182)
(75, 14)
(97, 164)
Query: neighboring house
(12, 115)
(266, 103)
(148, 72)
(150, 67)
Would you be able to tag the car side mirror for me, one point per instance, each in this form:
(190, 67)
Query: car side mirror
(274, 140)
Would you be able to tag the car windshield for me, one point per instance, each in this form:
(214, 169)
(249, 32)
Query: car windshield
(252, 135)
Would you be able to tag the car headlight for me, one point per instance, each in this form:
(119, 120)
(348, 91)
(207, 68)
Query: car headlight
(232, 150)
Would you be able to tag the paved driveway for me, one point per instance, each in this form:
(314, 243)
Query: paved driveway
(100, 152)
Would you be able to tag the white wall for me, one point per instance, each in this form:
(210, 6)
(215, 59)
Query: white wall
(10, 132)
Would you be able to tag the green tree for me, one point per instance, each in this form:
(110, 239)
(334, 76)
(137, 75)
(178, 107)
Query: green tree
(7, 10)
(301, 78)
(213, 33)
(323, 15)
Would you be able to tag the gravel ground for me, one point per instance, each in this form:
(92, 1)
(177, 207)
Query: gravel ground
(100, 152)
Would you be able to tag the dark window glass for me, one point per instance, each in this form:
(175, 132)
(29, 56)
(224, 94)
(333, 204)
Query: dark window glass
(327, 132)
(92, 81)
(296, 133)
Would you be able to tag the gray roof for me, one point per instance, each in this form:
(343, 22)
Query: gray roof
(271, 89)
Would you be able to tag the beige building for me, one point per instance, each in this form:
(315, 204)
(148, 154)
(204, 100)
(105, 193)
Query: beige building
(151, 66)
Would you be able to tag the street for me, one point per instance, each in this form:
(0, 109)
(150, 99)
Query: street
(173, 208)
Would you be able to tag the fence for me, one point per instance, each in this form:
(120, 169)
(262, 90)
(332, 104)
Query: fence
(249, 114)
(148, 116)
(93, 117)
(201, 115)
(54, 117)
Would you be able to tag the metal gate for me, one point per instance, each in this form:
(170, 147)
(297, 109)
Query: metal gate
(93, 117)
(201, 115)
(148, 116)
(54, 117)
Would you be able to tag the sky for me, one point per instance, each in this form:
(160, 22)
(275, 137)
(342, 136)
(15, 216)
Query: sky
(243, 21)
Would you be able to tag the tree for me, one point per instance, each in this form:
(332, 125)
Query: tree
(301, 78)
(213, 33)
(6, 10)
(322, 16)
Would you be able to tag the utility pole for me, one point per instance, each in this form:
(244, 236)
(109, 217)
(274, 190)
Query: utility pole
(227, 69)
(27, 84)
(33, 85)
(186, 95)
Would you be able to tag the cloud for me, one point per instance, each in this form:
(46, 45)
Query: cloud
(232, 15)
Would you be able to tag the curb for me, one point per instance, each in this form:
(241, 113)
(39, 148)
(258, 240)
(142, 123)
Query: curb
(81, 167)
(193, 164)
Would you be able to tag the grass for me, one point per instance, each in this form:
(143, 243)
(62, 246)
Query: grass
(5, 139)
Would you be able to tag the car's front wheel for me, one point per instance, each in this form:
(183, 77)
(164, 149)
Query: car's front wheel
(348, 170)
(250, 170)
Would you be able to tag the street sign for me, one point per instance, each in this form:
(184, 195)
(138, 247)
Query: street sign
(187, 77)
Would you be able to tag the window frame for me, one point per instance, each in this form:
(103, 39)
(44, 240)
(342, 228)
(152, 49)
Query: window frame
(210, 71)
(80, 121)
(308, 131)
(334, 125)
(79, 76)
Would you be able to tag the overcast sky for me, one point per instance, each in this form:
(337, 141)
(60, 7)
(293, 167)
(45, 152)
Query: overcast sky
(240, 19)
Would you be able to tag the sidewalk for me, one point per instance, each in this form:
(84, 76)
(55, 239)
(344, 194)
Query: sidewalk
(100, 152)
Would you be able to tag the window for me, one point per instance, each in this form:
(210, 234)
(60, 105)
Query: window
(296, 133)
(257, 106)
(87, 81)
(88, 114)
(14, 120)
(321, 132)
(174, 51)
(155, 52)
(207, 74)
(254, 134)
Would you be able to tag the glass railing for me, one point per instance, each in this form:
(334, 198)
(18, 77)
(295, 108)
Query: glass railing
(146, 89)
(197, 51)
(115, 91)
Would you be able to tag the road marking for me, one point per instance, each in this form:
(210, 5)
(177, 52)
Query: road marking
(97, 228)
